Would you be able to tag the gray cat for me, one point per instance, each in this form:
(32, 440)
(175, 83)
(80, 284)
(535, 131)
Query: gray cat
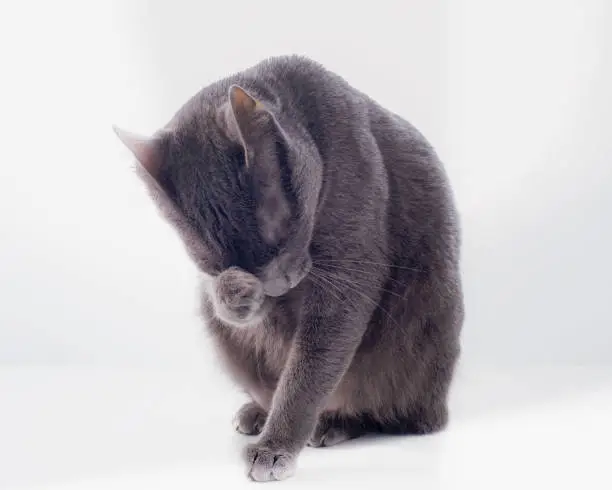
(328, 240)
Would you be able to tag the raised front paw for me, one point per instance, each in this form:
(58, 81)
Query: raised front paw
(267, 464)
(250, 419)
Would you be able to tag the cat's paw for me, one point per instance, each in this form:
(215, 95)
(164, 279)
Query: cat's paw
(239, 297)
(250, 419)
(329, 437)
(267, 464)
(331, 431)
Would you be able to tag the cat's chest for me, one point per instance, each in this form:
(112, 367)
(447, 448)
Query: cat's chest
(262, 346)
(270, 340)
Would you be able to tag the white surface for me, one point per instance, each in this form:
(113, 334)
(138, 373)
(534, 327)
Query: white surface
(130, 429)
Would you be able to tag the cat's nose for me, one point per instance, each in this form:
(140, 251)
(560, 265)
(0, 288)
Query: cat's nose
(285, 273)
(277, 286)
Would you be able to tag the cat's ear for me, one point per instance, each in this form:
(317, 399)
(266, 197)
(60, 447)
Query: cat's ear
(243, 104)
(248, 120)
(146, 150)
(149, 154)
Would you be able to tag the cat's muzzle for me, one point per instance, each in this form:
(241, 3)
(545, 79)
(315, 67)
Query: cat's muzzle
(284, 273)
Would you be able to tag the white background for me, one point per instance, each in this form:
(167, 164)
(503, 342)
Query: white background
(514, 95)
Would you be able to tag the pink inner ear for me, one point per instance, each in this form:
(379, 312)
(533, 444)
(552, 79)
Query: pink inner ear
(144, 149)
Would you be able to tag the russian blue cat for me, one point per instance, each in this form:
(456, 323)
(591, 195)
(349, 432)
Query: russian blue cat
(327, 236)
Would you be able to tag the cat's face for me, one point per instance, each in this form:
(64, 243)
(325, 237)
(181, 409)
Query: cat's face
(222, 177)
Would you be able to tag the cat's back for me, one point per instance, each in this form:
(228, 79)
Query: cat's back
(326, 102)
(290, 71)
(346, 125)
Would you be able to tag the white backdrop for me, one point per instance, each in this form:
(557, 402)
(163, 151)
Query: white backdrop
(515, 96)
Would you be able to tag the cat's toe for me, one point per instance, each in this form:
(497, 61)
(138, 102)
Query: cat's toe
(329, 438)
(250, 419)
(266, 464)
(332, 430)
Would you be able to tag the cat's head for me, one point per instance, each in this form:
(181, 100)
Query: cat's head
(240, 190)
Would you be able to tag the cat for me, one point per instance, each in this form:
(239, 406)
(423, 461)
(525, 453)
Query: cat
(328, 241)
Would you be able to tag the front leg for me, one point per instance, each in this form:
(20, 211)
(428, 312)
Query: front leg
(324, 345)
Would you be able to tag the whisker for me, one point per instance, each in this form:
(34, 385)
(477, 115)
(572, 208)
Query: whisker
(371, 273)
(356, 290)
(317, 280)
(326, 261)
(351, 280)
(339, 289)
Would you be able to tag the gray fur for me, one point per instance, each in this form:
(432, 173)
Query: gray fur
(327, 234)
